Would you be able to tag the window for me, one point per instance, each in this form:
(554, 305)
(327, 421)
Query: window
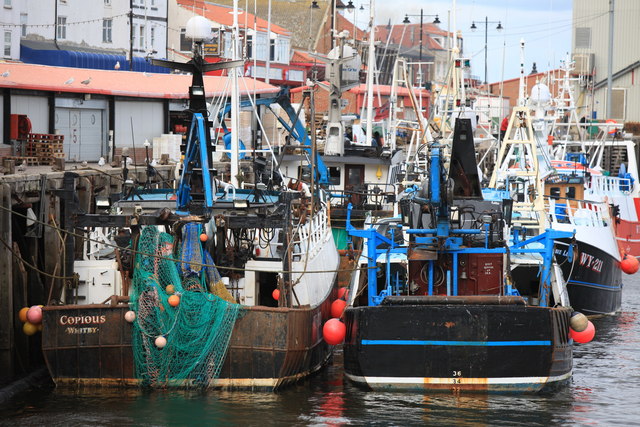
(7, 44)
(141, 36)
(23, 24)
(260, 46)
(62, 27)
(618, 103)
(185, 45)
(272, 49)
(106, 31)
(107, 2)
(7, 3)
(283, 51)
(334, 175)
(583, 37)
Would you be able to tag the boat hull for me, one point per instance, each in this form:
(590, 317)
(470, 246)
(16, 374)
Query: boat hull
(463, 347)
(594, 279)
(627, 233)
(90, 345)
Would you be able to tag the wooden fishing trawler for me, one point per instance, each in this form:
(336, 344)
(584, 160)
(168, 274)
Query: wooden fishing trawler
(438, 310)
(216, 286)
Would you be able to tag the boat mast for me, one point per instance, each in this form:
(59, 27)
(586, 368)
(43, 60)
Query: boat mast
(370, 70)
(235, 101)
(521, 90)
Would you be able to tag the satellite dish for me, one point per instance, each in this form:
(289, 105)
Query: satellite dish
(198, 29)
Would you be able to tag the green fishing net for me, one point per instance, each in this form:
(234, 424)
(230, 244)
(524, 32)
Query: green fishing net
(197, 330)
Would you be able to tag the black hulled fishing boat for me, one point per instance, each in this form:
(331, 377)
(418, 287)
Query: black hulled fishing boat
(438, 309)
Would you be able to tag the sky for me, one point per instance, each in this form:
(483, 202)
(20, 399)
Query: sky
(545, 26)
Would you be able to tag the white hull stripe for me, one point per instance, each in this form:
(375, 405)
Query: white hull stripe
(622, 239)
(457, 381)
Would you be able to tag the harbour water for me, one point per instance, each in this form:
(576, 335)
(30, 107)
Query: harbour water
(605, 390)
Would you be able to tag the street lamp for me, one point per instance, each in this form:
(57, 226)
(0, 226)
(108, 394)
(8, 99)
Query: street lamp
(406, 21)
(334, 6)
(499, 27)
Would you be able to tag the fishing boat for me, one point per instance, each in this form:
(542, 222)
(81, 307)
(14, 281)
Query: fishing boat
(591, 160)
(215, 286)
(437, 308)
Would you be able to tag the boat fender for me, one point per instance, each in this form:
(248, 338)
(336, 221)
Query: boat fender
(334, 331)
(578, 321)
(629, 264)
(337, 307)
(584, 336)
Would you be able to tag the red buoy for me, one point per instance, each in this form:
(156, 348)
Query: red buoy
(337, 307)
(334, 331)
(276, 294)
(343, 293)
(629, 264)
(584, 336)
(203, 237)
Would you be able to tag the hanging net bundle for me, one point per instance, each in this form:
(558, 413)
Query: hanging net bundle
(182, 331)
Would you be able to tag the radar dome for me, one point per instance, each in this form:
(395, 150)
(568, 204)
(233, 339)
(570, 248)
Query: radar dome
(540, 94)
(198, 29)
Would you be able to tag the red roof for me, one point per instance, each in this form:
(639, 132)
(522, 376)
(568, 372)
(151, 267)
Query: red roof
(224, 16)
(301, 57)
(115, 82)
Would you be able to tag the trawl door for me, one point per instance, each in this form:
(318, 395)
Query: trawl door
(82, 130)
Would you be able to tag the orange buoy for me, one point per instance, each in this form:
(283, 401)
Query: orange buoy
(22, 314)
(343, 293)
(170, 289)
(334, 331)
(203, 237)
(629, 264)
(174, 300)
(276, 294)
(29, 328)
(584, 336)
(337, 307)
(34, 314)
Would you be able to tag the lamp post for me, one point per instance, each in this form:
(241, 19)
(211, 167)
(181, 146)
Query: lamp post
(499, 27)
(422, 15)
(334, 6)
(406, 21)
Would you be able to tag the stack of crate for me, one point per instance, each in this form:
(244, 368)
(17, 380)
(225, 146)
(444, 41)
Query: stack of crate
(45, 147)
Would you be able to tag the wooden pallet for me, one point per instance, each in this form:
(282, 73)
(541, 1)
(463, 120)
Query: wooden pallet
(45, 147)
(31, 161)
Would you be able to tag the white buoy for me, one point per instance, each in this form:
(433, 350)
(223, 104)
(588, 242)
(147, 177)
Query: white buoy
(161, 341)
(130, 316)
